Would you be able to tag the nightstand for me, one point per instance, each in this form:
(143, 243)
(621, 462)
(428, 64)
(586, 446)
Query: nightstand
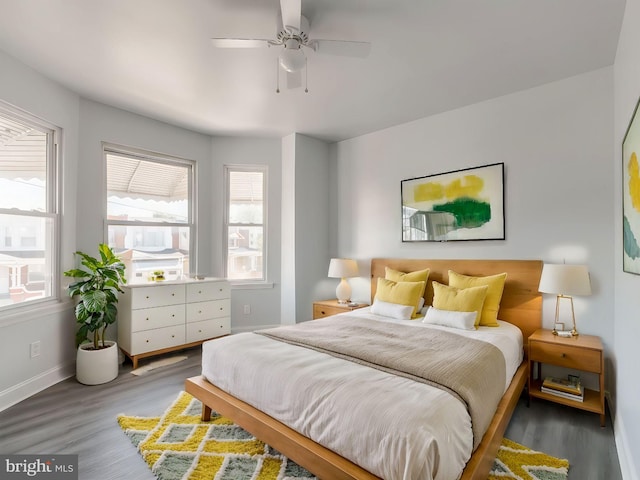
(583, 352)
(324, 308)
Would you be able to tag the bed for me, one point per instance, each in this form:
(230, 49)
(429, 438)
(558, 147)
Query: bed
(520, 306)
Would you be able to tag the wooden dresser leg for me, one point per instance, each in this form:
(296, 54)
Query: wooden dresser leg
(134, 360)
(206, 413)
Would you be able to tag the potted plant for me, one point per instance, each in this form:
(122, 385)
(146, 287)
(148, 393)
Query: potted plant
(96, 290)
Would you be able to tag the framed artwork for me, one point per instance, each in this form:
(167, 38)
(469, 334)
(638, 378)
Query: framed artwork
(460, 205)
(631, 196)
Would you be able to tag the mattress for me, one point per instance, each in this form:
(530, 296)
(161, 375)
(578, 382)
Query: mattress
(392, 426)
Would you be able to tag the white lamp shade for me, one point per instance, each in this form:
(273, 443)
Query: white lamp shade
(343, 268)
(565, 280)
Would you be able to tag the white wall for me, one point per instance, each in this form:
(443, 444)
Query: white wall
(627, 286)
(556, 144)
(264, 301)
(305, 225)
(20, 375)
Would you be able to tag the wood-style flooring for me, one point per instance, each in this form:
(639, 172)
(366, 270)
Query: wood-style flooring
(70, 418)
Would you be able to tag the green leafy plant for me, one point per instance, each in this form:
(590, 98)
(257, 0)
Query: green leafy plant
(97, 288)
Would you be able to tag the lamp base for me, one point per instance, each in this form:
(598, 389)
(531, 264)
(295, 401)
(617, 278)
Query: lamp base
(343, 292)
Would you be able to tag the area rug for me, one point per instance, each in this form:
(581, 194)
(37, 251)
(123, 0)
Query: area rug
(180, 446)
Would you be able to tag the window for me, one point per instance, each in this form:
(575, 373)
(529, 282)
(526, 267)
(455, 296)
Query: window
(245, 222)
(150, 212)
(28, 209)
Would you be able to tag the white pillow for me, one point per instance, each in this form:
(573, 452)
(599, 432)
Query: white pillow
(447, 318)
(393, 310)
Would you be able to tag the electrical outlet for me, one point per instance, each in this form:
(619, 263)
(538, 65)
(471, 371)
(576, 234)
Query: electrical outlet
(35, 349)
(247, 309)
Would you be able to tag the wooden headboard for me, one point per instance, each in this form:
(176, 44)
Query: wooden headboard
(521, 302)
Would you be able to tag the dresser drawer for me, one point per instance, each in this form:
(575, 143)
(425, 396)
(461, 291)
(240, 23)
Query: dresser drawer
(321, 311)
(157, 317)
(157, 339)
(157, 296)
(565, 356)
(200, 292)
(197, 331)
(206, 310)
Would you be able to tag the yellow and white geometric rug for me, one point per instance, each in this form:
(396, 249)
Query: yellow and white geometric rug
(180, 446)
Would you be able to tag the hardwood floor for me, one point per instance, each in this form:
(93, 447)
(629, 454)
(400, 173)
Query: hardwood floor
(78, 419)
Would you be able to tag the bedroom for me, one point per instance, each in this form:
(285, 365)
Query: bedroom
(560, 143)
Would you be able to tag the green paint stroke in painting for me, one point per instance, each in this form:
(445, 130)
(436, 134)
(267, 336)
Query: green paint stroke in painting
(469, 213)
(629, 239)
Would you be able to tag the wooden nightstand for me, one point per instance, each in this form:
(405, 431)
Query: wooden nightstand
(583, 352)
(324, 308)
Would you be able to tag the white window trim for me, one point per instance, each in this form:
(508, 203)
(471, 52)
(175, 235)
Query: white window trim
(24, 311)
(159, 158)
(248, 283)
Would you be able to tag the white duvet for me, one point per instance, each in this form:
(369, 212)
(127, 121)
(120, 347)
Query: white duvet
(393, 427)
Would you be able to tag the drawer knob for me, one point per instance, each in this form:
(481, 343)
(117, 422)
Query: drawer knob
(221, 308)
(199, 291)
(322, 312)
(220, 289)
(199, 311)
(173, 314)
(147, 296)
(147, 319)
(147, 341)
(173, 336)
(563, 355)
(199, 331)
(173, 294)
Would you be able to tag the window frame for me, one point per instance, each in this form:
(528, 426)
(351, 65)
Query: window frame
(53, 179)
(227, 170)
(147, 155)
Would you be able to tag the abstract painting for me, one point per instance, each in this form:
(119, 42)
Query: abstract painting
(631, 196)
(459, 205)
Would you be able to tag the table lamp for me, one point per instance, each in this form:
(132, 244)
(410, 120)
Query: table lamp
(564, 281)
(343, 268)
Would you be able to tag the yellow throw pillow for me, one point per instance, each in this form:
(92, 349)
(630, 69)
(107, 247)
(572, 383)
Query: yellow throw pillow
(491, 306)
(396, 276)
(403, 293)
(459, 299)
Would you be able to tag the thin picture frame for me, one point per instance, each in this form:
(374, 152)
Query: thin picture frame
(631, 195)
(459, 205)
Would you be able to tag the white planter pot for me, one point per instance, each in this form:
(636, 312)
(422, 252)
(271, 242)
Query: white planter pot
(94, 367)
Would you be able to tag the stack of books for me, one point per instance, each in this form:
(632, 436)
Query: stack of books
(563, 388)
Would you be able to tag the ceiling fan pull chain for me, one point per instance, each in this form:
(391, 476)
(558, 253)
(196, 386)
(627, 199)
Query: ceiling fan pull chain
(277, 76)
(306, 76)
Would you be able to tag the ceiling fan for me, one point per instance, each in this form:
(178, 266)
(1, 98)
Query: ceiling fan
(292, 37)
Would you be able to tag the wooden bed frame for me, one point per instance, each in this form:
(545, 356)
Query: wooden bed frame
(521, 305)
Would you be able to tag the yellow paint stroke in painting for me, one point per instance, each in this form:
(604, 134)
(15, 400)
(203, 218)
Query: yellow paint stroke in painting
(428, 192)
(468, 186)
(634, 181)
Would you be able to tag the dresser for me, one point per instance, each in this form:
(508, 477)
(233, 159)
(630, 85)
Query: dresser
(584, 352)
(325, 308)
(155, 318)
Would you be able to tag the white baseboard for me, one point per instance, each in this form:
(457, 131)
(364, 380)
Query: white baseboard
(627, 466)
(30, 387)
(253, 328)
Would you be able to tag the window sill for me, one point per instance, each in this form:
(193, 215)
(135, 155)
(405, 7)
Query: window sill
(244, 285)
(27, 313)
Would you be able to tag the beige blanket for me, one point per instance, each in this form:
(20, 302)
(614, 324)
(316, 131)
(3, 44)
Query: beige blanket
(474, 370)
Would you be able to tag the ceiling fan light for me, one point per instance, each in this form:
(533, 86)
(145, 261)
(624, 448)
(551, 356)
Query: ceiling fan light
(292, 59)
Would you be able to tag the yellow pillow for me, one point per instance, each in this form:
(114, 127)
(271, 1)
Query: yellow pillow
(494, 293)
(459, 299)
(403, 293)
(396, 276)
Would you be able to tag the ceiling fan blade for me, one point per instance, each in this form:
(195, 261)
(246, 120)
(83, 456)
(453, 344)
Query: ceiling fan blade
(294, 80)
(343, 48)
(291, 12)
(240, 43)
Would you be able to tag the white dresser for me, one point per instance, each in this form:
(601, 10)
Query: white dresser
(159, 317)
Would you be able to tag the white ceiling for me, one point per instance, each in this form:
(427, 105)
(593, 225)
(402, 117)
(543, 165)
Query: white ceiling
(154, 57)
